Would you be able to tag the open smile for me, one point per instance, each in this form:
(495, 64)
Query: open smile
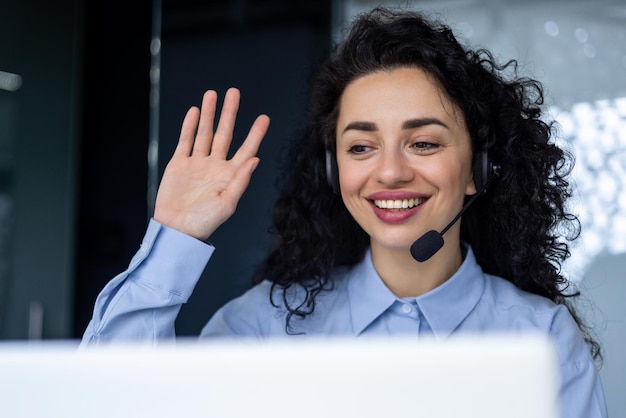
(399, 204)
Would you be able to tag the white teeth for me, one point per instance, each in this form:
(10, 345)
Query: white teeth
(399, 204)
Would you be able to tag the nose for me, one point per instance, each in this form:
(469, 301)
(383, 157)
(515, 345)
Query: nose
(394, 168)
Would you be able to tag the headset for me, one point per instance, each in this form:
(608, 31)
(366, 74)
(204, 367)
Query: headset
(484, 170)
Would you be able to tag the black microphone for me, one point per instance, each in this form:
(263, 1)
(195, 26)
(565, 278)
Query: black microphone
(428, 244)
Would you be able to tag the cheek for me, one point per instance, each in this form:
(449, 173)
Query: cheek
(452, 175)
(352, 182)
(348, 185)
(350, 176)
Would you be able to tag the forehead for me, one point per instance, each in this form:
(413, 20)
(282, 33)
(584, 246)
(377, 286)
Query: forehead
(403, 92)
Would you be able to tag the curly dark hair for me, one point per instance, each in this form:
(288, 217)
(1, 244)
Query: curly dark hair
(518, 229)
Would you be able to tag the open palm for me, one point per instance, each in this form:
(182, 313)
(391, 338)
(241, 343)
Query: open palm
(200, 188)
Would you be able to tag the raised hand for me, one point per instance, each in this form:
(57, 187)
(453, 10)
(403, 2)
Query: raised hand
(200, 188)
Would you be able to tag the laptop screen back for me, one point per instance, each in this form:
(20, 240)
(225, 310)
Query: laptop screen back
(495, 376)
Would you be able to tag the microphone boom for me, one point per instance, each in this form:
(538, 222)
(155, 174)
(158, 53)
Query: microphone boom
(428, 244)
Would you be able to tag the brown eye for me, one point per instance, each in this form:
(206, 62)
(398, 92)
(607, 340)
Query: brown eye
(425, 146)
(358, 149)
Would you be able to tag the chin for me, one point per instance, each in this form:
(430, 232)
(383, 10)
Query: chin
(403, 245)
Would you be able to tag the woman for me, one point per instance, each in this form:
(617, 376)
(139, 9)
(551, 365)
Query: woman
(406, 129)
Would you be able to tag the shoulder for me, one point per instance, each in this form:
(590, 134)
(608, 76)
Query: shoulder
(526, 311)
(504, 295)
(500, 302)
(250, 315)
(512, 308)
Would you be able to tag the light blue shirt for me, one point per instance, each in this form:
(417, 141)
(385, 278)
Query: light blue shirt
(142, 304)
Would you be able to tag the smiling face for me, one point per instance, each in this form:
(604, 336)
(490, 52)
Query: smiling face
(404, 157)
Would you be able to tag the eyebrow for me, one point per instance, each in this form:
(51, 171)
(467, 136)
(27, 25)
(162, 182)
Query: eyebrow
(407, 124)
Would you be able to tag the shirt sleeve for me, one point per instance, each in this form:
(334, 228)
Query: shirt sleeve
(142, 303)
(581, 389)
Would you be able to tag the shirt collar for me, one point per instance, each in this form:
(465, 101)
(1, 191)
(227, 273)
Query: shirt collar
(444, 307)
(447, 305)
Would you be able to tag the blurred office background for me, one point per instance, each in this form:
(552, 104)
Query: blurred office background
(92, 94)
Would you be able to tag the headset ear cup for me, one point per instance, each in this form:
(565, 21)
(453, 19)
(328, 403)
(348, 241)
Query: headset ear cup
(332, 172)
(484, 170)
(481, 169)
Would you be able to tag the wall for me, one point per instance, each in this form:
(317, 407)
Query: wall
(269, 54)
(38, 42)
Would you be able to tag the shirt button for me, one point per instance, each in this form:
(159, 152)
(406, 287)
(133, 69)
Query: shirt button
(406, 308)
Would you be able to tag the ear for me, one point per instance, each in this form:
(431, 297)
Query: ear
(470, 189)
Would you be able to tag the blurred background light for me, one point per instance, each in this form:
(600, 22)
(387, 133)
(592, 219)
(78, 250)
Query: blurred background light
(10, 81)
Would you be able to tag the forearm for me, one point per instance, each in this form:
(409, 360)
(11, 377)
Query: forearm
(142, 303)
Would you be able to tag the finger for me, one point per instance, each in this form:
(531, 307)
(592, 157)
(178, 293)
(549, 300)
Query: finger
(240, 180)
(226, 125)
(204, 136)
(251, 145)
(187, 133)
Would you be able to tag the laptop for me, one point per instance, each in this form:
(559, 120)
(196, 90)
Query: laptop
(483, 376)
